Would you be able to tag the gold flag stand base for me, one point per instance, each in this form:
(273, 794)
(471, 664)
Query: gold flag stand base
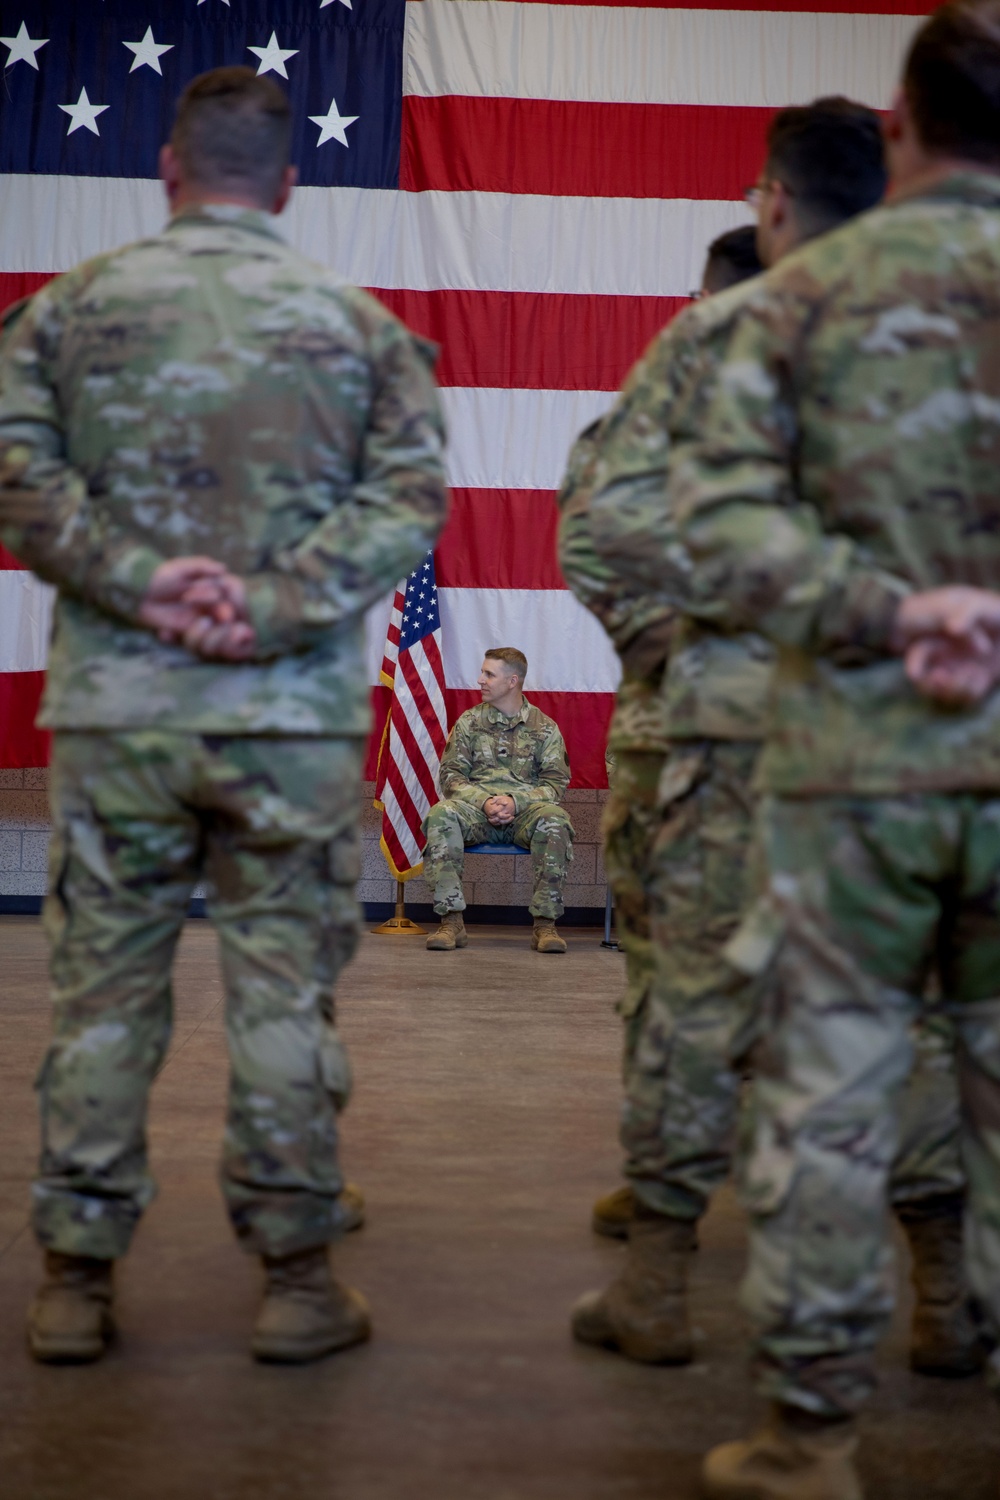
(399, 924)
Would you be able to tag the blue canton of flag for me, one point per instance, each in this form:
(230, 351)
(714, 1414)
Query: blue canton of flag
(420, 606)
(89, 89)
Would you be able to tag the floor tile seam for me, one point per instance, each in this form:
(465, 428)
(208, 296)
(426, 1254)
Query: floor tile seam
(179, 1046)
(18, 1234)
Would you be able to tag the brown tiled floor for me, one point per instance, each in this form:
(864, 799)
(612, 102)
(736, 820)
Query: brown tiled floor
(483, 1125)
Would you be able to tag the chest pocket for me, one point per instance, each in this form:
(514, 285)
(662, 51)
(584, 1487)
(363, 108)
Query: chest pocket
(522, 755)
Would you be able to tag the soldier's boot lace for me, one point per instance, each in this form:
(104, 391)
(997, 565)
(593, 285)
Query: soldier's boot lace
(450, 935)
(945, 1338)
(545, 939)
(352, 1207)
(305, 1313)
(795, 1456)
(612, 1214)
(643, 1313)
(70, 1320)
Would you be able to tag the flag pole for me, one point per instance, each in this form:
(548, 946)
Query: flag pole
(399, 924)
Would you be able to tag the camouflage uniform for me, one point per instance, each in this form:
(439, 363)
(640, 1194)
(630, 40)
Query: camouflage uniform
(491, 754)
(208, 391)
(679, 819)
(864, 365)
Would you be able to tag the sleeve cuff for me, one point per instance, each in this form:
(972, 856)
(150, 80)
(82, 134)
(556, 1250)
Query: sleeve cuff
(124, 586)
(865, 614)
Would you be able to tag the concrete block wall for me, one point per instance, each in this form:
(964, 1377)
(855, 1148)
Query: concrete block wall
(24, 836)
(24, 832)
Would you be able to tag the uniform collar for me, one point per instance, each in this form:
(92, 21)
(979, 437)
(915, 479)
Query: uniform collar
(978, 188)
(226, 216)
(494, 716)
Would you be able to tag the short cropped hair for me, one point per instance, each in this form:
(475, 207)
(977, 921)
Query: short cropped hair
(515, 659)
(233, 130)
(830, 157)
(951, 80)
(732, 258)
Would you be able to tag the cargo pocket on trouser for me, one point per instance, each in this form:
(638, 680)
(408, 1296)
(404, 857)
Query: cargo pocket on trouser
(764, 1167)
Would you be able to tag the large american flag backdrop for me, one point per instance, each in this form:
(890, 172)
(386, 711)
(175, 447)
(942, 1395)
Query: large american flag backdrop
(530, 184)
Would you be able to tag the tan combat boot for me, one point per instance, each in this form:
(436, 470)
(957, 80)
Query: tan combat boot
(612, 1214)
(70, 1320)
(643, 1313)
(450, 935)
(944, 1337)
(795, 1457)
(352, 1207)
(305, 1313)
(545, 939)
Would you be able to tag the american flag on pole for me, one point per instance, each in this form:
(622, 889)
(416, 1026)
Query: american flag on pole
(406, 782)
(529, 183)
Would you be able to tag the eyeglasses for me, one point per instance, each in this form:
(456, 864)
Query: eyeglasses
(754, 195)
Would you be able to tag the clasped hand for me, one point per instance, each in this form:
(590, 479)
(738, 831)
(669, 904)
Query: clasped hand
(195, 602)
(949, 639)
(499, 810)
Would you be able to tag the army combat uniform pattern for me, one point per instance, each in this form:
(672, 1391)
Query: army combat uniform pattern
(679, 819)
(208, 391)
(881, 808)
(492, 754)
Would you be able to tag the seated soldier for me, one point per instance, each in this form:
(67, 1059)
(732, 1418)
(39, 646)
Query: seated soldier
(503, 772)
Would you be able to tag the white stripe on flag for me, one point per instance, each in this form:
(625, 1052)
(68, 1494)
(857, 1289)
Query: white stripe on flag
(413, 851)
(497, 242)
(407, 773)
(637, 55)
(566, 648)
(25, 621)
(514, 439)
(418, 655)
(421, 736)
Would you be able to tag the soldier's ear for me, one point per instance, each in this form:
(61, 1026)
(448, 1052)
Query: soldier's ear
(170, 172)
(289, 179)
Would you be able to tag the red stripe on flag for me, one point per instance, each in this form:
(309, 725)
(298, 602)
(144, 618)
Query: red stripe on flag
(500, 539)
(818, 7)
(583, 718)
(435, 661)
(8, 562)
(397, 853)
(21, 744)
(407, 806)
(424, 707)
(571, 148)
(15, 284)
(416, 757)
(533, 340)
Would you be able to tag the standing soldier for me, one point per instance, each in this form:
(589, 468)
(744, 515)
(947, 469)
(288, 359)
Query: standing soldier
(835, 487)
(208, 391)
(683, 822)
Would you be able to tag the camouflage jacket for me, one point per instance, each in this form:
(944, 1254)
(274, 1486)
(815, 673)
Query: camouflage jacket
(209, 391)
(489, 754)
(624, 611)
(711, 684)
(842, 452)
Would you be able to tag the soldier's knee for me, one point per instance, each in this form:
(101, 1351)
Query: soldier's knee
(551, 817)
(442, 817)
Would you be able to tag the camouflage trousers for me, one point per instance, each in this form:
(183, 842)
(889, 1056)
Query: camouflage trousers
(678, 833)
(271, 826)
(863, 896)
(543, 828)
